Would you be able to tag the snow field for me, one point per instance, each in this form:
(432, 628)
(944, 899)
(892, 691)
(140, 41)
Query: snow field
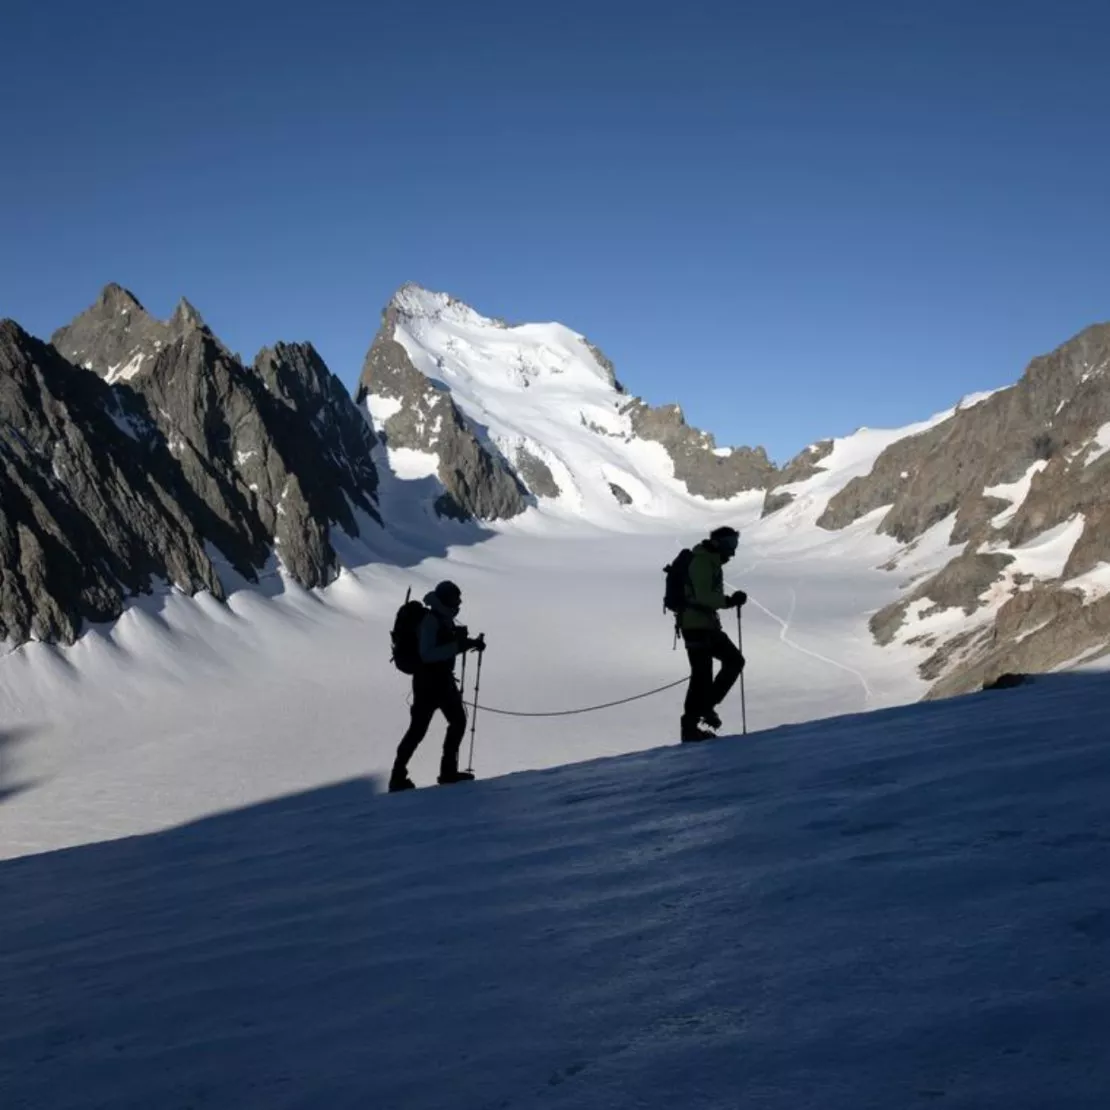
(185, 707)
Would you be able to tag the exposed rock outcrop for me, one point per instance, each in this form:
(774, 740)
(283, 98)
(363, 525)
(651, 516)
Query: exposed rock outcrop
(126, 474)
(536, 474)
(804, 465)
(477, 481)
(620, 494)
(1056, 408)
(94, 508)
(959, 585)
(275, 454)
(1064, 628)
(697, 463)
(773, 501)
(1004, 469)
(116, 336)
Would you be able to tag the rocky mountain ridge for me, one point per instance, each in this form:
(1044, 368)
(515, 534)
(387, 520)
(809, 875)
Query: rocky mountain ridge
(477, 480)
(153, 453)
(1026, 462)
(135, 451)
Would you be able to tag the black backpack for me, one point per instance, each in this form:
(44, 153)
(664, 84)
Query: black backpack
(674, 589)
(405, 636)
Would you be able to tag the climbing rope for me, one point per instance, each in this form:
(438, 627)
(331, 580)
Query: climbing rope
(587, 709)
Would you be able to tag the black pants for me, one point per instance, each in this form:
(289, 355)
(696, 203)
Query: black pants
(706, 692)
(434, 688)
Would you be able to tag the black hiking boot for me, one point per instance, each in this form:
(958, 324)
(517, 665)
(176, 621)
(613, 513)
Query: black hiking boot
(691, 732)
(400, 780)
(446, 778)
(711, 719)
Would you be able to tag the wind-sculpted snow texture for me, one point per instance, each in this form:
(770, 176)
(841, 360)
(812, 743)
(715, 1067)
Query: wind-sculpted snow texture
(899, 910)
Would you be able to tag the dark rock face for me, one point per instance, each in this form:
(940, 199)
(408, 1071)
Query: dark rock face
(1038, 430)
(269, 452)
(805, 464)
(1059, 404)
(1068, 628)
(536, 474)
(92, 505)
(189, 447)
(274, 455)
(620, 494)
(606, 365)
(959, 585)
(116, 337)
(297, 378)
(696, 463)
(477, 480)
(772, 502)
(1006, 681)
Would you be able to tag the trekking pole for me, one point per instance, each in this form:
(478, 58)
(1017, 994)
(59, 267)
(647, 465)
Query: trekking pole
(740, 645)
(474, 715)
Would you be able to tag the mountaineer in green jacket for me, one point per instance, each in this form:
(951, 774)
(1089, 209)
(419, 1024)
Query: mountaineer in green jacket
(705, 640)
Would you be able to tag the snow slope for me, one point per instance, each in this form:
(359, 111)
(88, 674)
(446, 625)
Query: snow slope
(185, 707)
(542, 387)
(897, 910)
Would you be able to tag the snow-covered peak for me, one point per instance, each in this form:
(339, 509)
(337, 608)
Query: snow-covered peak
(467, 347)
(413, 302)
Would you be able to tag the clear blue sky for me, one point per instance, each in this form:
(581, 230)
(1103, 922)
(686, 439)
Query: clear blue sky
(792, 217)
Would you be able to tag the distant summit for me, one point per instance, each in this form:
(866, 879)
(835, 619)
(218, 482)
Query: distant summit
(508, 416)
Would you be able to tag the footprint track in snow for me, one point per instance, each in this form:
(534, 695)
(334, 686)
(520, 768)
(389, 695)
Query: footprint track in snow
(784, 636)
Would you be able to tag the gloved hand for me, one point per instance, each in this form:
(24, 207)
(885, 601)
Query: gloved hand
(476, 644)
(738, 598)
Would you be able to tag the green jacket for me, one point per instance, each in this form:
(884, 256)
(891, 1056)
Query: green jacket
(704, 591)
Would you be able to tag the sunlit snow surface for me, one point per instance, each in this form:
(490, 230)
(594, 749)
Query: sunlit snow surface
(186, 706)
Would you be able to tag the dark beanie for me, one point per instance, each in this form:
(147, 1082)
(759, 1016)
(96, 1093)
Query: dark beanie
(448, 593)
